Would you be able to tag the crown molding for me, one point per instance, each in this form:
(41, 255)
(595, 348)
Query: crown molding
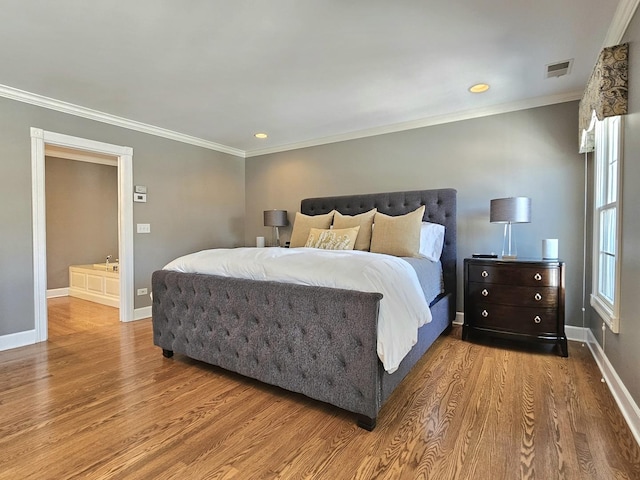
(65, 107)
(621, 19)
(70, 108)
(424, 122)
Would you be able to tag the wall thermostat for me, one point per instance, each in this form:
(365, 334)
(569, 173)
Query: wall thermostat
(141, 189)
(140, 197)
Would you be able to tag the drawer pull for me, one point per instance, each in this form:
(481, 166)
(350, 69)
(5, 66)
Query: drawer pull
(485, 292)
(485, 274)
(537, 319)
(538, 297)
(485, 314)
(537, 277)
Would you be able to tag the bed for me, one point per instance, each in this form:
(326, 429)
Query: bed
(317, 341)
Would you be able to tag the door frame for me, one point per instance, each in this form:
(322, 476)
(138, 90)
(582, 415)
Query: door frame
(39, 140)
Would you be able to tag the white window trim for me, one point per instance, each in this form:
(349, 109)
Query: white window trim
(610, 313)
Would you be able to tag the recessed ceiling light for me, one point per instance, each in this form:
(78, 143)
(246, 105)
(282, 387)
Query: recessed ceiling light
(260, 135)
(479, 88)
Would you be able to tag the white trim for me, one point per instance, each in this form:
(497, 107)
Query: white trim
(576, 334)
(39, 234)
(605, 312)
(140, 313)
(39, 140)
(89, 157)
(65, 107)
(621, 395)
(424, 122)
(79, 111)
(58, 292)
(17, 340)
(609, 312)
(459, 320)
(621, 19)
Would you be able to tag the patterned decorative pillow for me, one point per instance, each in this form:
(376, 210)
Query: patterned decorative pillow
(304, 223)
(399, 235)
(332, 239)
(364, 220)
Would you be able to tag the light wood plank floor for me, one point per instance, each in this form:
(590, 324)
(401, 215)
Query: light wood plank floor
(98, 400)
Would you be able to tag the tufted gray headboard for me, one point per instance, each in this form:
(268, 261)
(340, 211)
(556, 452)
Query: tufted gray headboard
(441, 207)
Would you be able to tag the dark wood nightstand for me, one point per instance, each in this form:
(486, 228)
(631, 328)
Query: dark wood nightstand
(520, 299)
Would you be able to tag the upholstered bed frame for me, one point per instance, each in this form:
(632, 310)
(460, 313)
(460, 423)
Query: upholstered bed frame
(317, 341)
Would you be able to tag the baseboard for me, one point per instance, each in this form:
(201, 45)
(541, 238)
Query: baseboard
(577, 334)
(140, 313)
(16, 340)
(58, 292)
(623, 398)
(459, 320)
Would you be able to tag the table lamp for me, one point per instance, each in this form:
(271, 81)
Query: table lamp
(510, 210)
(275, 219)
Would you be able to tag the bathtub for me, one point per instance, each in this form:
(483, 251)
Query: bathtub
(108, 267)
(96, 282)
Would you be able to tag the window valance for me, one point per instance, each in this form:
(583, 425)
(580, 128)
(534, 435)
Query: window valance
(606, 92)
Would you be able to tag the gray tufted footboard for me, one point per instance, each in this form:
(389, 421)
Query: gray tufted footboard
(317, 341)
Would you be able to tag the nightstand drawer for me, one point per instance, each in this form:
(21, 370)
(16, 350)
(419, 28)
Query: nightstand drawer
(513, 295)
(526, 276)
(507, 318)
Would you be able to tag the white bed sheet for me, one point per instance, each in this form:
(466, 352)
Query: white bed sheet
(403, 308)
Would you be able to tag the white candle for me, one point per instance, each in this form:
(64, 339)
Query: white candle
(260, 242)
(550, 248)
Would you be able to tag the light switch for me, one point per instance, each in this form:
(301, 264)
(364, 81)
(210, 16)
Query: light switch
(143, 228)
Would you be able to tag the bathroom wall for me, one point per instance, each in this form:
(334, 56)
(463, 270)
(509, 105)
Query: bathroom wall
(82, 216)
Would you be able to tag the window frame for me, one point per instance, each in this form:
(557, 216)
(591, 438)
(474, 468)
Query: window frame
(608, 142)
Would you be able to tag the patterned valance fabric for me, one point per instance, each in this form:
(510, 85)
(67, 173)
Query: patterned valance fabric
(606, 92)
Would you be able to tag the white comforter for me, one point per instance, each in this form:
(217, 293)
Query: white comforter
(402, 310)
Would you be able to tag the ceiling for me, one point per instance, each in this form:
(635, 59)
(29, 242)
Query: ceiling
(305, 72)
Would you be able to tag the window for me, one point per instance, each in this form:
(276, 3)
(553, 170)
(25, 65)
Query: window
(606, 220)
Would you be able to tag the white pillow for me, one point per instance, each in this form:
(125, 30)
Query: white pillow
(431, 240)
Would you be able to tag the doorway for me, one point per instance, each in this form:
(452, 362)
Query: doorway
(41, 142)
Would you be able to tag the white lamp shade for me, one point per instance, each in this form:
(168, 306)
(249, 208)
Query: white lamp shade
(510, 210)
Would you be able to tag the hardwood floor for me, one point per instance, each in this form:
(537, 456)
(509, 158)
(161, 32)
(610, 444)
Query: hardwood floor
(98, 400)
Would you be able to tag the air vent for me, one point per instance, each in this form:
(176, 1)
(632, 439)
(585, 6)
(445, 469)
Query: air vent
(559, 69)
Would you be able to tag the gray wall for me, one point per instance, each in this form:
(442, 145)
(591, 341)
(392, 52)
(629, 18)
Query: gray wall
(195, 200)
(622, 349)
(82, 216)
(530, 153)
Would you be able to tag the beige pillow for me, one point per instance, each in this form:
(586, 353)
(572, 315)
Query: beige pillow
(399, 236)
(333, 239)
(303, 223)
(363, 220)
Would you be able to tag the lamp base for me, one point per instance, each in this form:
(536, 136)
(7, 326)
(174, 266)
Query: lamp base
(509, 250)
(275, 237)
